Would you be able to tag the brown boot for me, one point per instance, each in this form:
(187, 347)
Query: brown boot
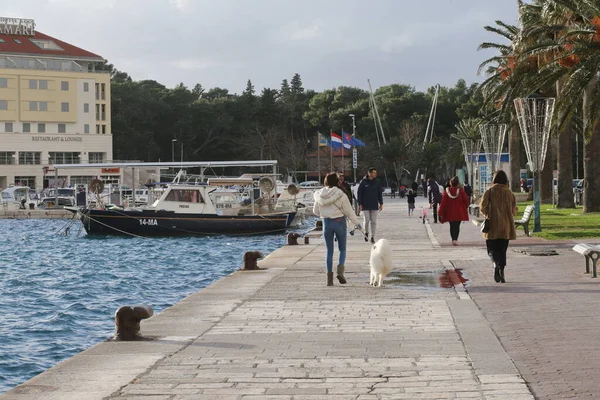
(330, 278)
(340, 274)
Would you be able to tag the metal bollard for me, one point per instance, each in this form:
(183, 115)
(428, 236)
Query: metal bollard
(319, 225)
(251, 260)
(127, 321)
(292, 239)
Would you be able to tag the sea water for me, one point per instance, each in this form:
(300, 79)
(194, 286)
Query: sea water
(59, 293)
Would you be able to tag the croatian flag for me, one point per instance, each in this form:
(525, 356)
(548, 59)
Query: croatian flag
(336, 140)
(350, 140)
(347, 140)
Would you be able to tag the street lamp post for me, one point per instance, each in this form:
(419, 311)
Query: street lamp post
(181, 151)
(492, 137)
(534, 114)
(173, 149)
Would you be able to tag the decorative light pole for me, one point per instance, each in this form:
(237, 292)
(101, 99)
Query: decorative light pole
(492, 137)
(534, 114)
(471, 149)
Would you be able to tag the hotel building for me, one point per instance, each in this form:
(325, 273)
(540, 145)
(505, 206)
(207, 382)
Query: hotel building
(54, 109)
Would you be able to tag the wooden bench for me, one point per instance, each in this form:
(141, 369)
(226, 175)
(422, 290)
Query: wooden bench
(524, 221)
(474, 209)
(590, 252)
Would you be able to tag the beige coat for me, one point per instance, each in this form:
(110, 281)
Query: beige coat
(500, 206)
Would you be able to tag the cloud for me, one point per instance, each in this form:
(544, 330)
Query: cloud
(297, 31)
(180, 4)
(194, 63)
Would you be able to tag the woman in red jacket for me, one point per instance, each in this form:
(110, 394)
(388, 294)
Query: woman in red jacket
(453, 208)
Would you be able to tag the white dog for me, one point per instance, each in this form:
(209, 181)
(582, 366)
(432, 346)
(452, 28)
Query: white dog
(381, 262)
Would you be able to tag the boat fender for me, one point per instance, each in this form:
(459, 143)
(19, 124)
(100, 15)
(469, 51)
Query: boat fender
(127, 321)
(251, 260)
(292, 239)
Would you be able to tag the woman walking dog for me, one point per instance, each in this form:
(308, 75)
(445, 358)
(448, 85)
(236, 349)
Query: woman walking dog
(332, 204)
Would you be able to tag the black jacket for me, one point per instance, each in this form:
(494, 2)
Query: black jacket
(370, 194)
(345, 186)
(433, 191)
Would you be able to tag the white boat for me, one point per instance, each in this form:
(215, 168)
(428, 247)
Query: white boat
(66, 197)
(16, 198)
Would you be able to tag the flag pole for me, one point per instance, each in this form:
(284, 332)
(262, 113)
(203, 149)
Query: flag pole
(319, 154)
(343, 166)
(331, 136)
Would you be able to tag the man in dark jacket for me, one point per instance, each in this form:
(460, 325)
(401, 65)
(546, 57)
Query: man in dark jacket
(433, 191)
(370, 200)
(345, 186)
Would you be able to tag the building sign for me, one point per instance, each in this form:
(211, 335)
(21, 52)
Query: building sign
(354, 158)
(17, 26)
(56, 139)
(111, 170)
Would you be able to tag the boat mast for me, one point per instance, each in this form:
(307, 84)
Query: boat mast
(378, 125)
(430, 123)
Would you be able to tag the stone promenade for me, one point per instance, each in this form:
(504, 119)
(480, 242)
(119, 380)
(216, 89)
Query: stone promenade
(280, 333)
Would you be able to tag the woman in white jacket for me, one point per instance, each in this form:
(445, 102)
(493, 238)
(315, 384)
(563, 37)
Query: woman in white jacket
(332, 204)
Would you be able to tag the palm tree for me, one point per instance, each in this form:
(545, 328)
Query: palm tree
(576, 63)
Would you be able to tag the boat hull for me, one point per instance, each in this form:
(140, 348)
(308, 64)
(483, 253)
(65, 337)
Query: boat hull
(165, 223)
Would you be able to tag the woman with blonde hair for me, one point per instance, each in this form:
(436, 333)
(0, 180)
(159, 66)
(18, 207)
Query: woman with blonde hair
(332, 204)
(499, 206)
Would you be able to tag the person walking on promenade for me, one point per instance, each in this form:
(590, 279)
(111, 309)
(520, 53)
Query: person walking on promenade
(332, 204)
(453, 208)
(433, 192)
(370, 200)
(499, 206)
(410, 198)
(414, 187)
(345, 186)
(424, 184)
(468, 191)
(393, 190)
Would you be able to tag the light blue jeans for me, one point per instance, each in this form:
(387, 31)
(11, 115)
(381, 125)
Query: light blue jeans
(337, 227)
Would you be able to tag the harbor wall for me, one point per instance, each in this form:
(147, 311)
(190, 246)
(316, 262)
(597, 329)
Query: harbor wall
(35, 214)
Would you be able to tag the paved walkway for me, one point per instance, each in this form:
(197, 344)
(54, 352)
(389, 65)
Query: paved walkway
(280, 333)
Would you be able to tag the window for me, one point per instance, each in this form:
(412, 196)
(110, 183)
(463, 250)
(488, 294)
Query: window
(103, 129)
(3, 82)
(43, 84)
(62, 128)
(29, 157)
(103, 114)
(98, 113)
(46, 44)
(26, 127)
(3, 104)
(97, 91)
(64, 157)
(184, 196)
(102, 91)
(2, 41)
(81, 180)
(25, 181)
(7, 157)
(64, 107)
(33, 106)
(41, 128)
(64, 85)
(86, 128)
(43, 105)
(8, 127)
(17, 41)
(96, 158)
(86, 108)
(33, 84)
(86, 87)
(97, 128)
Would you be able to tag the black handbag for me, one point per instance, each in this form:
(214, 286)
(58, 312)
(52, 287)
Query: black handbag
(485, 226)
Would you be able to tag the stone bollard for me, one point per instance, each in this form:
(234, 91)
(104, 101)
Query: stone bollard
(127, 321)
(306, 240)
(319, 225)
(292, 239)
(251, 260)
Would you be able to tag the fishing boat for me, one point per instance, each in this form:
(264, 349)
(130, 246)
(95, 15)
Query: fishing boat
(16, 198)
(183, 210)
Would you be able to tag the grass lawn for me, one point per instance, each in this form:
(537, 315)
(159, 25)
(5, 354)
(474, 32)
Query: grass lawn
(564, 223)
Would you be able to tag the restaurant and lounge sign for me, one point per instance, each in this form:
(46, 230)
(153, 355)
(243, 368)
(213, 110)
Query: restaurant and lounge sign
(17, 26)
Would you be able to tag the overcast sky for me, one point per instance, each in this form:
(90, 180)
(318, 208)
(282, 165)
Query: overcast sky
(328, 42)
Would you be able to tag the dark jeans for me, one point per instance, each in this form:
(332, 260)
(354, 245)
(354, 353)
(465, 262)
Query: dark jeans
(435, 210)
(454, 229)
(496, 249)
